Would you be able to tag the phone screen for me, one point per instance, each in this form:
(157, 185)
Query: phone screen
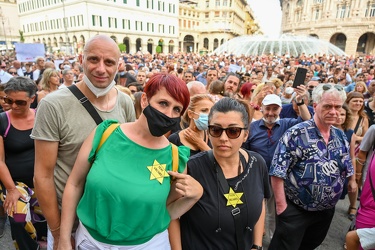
(300, 77)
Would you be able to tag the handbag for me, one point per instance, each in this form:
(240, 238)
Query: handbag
(352, 225)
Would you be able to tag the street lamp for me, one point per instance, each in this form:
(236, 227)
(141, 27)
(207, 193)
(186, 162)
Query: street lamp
(66, 44)
(5, 35)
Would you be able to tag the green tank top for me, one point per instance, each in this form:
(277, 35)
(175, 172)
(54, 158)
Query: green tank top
(126, 190)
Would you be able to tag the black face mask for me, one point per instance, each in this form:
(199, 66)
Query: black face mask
(159, 123)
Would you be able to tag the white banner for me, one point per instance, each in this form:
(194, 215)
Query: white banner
(27, 52)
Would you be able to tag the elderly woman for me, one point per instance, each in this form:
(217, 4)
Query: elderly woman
(231, 212)
(17, 162)
(50, 82)
(121, 189)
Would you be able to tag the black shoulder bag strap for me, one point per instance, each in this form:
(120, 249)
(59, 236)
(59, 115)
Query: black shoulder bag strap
(236, 212)
(86, 103)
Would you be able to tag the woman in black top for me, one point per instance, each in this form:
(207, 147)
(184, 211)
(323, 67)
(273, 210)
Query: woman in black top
(17, 160)
(231, 212)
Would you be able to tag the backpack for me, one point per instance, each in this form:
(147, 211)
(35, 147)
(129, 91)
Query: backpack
(4, 124)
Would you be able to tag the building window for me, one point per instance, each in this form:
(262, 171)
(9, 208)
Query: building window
(207, 4)
(96, 20)
(341, 10)
(137, 3)
(161, 28)
(217, 3)
(138, 25)
(316, 14)
(318, 1)
(217, 13)
(125, 1)
(225, 14)
(112, 22)
(207, 14)
(370, 11)
(225, 2)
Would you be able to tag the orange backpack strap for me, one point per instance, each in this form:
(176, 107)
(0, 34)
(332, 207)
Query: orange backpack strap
(174, 158)
(106, 134)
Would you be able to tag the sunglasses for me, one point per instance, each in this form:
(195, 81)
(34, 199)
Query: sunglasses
(329, 86)
(17, 102)
(13, 73)
(232, 132)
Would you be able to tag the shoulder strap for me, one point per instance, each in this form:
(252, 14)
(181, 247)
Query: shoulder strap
(4, 124)
(358, 123)
(106, 134)
(174, 158)
(86, 103)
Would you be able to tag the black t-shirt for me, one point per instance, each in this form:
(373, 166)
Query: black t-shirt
(199, 226)
(20, 155)
(370, 114)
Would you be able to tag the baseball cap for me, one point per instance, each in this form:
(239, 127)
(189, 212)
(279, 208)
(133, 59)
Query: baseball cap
(271, 99)
(289, 90)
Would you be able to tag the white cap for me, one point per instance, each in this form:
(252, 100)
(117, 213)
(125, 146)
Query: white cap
(289, 90)
(271, 99)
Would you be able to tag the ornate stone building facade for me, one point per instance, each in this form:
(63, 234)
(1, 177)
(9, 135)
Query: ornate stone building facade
(206, 24)
(142, 25)
(349, 24)
(9, 24)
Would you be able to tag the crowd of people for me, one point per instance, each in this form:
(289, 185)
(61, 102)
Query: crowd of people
(185, 151)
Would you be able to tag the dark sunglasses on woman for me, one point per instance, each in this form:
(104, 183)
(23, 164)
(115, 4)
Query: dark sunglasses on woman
(232, 132)
(17, 102)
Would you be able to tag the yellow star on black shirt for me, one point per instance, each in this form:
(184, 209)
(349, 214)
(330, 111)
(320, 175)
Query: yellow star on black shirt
(158, 171)
(233, 198)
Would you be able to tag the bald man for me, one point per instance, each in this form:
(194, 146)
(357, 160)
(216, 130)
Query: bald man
(61, 115)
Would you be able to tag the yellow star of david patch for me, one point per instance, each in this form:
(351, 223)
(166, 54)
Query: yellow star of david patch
(233, 198)
(158, 171)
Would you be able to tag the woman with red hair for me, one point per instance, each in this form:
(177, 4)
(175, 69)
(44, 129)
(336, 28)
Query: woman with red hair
(122, 190)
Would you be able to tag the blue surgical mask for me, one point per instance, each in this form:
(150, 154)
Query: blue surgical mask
(202, 121)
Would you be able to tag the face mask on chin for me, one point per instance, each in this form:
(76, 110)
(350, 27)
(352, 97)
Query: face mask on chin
(98, 92)
(159, 123)
(272, 122)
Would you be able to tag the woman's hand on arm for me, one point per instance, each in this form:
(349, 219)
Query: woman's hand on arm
(185, 192)
(73, 193)
(193, 137)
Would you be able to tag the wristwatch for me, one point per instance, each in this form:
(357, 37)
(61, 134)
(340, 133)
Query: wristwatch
(256, 247)
(300, 103)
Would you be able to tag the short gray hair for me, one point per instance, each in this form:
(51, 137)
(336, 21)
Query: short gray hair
(319, 91)
(21, 84)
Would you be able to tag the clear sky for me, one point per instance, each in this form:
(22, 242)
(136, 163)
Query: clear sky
(268, 14)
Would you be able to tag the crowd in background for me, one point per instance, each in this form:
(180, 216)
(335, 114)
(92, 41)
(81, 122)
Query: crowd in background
(264, 83)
